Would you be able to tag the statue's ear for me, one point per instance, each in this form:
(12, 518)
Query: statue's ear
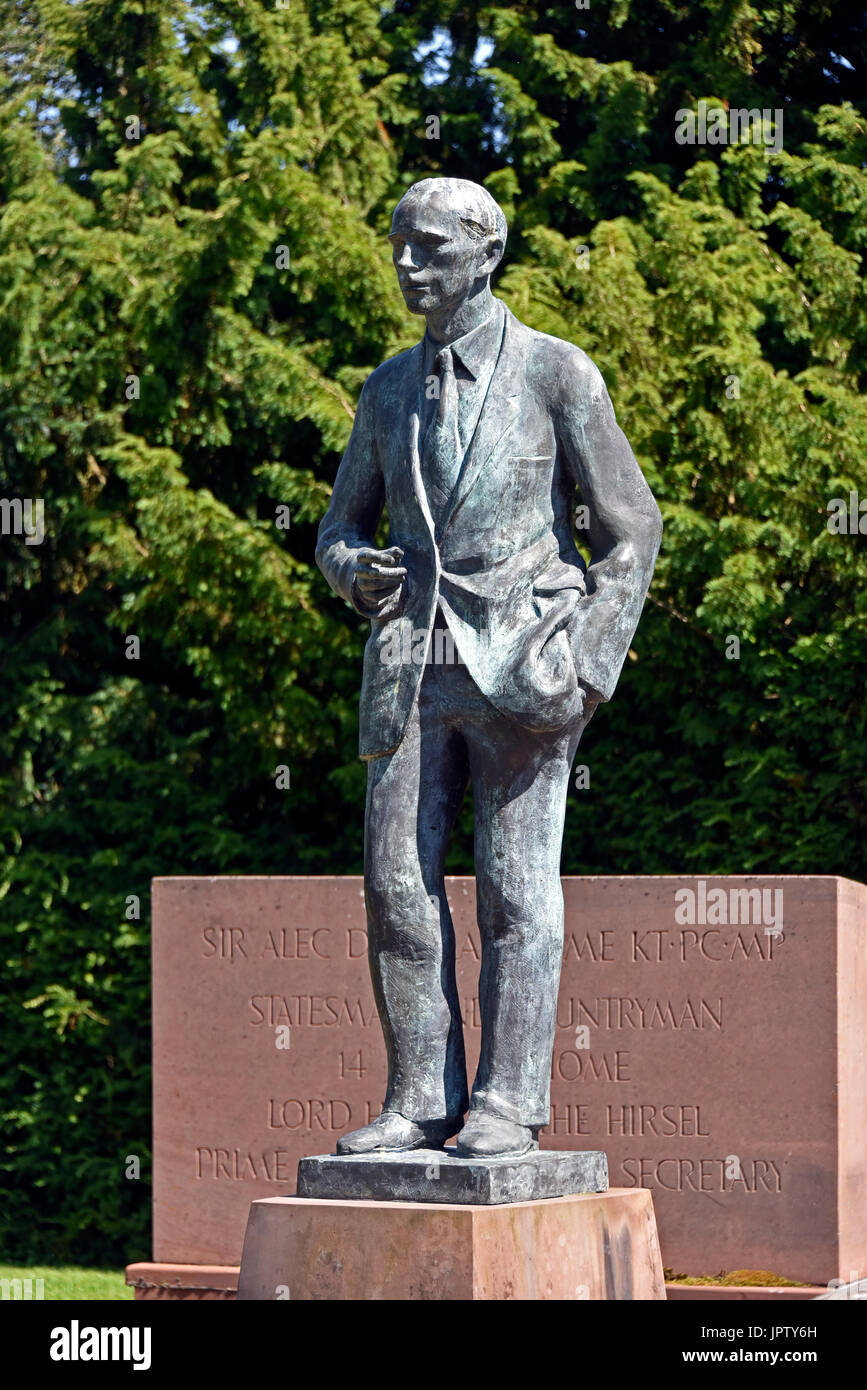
(494, 255)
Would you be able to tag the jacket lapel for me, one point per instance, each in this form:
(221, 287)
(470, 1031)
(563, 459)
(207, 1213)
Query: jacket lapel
(498, 414)
(408, 410)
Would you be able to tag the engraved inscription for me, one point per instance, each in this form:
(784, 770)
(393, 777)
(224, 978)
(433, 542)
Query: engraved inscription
(309, 1114)
(639, 1120)
(615, 1013)
(662, 945)
(572, 1065)
(652, 1016)
(226, 943)
(701, 1174)
(314, 1010)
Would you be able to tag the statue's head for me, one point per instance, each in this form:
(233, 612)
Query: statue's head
(447, 238)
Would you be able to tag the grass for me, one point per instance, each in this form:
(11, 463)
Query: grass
(63, 1282)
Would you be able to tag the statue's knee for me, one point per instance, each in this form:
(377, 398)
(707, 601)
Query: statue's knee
(516, 917)
(497, 915)
(402, 919)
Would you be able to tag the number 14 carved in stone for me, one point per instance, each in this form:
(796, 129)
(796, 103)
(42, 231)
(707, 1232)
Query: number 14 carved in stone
(357, 1067)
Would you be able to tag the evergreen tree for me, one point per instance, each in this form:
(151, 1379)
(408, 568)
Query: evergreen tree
(192, 294)
(720, 289)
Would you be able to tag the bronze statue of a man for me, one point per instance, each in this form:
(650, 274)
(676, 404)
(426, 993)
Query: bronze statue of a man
(475, 441)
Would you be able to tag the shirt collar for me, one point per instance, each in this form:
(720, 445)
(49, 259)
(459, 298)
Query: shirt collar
(473, 349)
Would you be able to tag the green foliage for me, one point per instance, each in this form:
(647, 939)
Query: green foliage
(159, 259)
(721, 292)
(62, 1284)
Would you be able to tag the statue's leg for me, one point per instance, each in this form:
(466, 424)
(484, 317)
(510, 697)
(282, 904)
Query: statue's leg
(520, 784)
(413, 796)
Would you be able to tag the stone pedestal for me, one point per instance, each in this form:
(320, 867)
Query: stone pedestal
(438, 1175)
(591, 1246)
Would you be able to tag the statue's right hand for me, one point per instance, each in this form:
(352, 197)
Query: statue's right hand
(378, 574)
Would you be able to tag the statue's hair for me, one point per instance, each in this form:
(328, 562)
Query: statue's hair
(478, 211)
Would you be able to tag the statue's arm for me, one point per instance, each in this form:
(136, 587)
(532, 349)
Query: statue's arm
(625, 524)
(353, 515)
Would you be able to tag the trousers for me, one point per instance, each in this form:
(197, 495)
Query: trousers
(520, 781)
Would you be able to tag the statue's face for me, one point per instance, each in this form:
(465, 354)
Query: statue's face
(436, 259)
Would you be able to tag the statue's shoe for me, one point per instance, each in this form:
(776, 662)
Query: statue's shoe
(392, 1132)
(489, 1136)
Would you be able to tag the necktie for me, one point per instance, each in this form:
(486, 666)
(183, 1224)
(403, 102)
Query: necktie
(441, 460)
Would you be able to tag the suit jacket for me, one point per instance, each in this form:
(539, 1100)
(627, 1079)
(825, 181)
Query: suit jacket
(539, 637)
